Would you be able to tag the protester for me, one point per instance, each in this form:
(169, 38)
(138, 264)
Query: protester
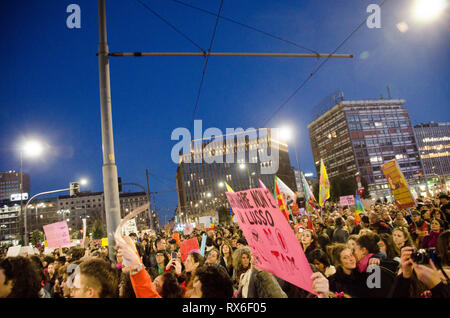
(241, 264)
(436, 228)
(340, 234)
(226, 257)
(19, 278)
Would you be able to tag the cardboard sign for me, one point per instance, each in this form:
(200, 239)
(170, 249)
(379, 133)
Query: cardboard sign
(13, 251)
(188, 229)
(274, 245)
(57, 234)
(176, 237)
(397, 183)
(105, 241)
(187, 246)
(347, 200)
(206, 221)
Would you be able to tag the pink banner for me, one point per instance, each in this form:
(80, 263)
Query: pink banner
(270, 237)
(57, 234)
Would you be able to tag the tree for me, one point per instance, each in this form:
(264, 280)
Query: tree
(37, 237)
(97, 229)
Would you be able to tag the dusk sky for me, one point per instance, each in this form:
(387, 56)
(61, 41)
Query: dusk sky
(49, 88)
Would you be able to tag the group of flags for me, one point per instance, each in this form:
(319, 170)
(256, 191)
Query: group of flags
(287, 199)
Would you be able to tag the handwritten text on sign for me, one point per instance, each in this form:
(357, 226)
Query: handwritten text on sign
(271, 239)
(57, 234)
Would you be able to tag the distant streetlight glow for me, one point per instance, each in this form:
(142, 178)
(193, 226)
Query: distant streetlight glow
(428, 10)
(242, 166)
(83, 182)
(221, 184)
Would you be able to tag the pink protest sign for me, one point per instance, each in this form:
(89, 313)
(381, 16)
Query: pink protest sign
(187, 246)
(347, 200)
(57, 234)
(270, 237)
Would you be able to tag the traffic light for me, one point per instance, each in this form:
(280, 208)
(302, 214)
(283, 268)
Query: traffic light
(74, 189)
(361, 192)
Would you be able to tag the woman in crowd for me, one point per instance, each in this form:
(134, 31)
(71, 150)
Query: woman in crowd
(309, 242)
(211, 282)
(401, 238)
(430, 240)
(241, 264)
(437, 214)
(400, 220)
(351, 242)
(387, 247)
(347, 278)
(321, 261)
(192, 262)
(167, 286)
(226, 257)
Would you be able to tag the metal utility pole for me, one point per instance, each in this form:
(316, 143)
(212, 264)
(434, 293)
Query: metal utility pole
(110, 182)
(152, 223)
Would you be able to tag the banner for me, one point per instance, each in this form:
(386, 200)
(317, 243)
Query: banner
(270, 237)
(324, 185)
(347, 200)
(359, 208)
(289, 197)
(397, 183)
(187, 246)
(176, 237)
(203, 245)
(57, 234)
(84, 230)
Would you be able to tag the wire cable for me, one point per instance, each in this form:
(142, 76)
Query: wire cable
(247, 26)
(205, 64)
(315, 70)
(170, 24)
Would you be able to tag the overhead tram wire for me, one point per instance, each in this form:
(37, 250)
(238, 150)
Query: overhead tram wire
(171, 25)
(316, 70)
(205, 65)
(247, 26)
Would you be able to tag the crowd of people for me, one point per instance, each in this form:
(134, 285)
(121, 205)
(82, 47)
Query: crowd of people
(407, 249)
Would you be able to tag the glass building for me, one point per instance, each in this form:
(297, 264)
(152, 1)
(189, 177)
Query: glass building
(356, 137)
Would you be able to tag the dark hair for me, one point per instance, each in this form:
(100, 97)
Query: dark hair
(76, 253)
(335, 251)
(215, 282)
(323, 240)
(21, 271)
(102, 274)
(125, 281)
(370, 242)
(443, 242)
(209, 241)
(390, 245)
(339, 222)
(319, 255)
(441, 224)
(48, 259)
(171, 288)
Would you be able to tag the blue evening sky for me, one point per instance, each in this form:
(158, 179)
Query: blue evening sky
(49, 86)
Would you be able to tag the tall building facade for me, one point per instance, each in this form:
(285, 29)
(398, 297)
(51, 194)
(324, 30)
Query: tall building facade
(356, 137)
(10, 184)
(434, 146)
(201, 186)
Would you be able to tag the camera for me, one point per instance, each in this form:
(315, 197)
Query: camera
(423, 256)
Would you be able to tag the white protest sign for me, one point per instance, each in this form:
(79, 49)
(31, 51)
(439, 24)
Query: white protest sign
(13, 251)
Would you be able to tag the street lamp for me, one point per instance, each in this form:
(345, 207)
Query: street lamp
(428, 10)
(31, 148)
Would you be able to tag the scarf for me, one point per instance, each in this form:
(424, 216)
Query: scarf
(362, 265)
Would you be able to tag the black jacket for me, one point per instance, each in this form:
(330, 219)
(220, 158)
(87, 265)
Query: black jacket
(353, 285)
(401, 289)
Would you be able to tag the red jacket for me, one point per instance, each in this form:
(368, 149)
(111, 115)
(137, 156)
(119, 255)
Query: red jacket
(142, 285)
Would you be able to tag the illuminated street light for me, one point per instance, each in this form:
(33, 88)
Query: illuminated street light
(221, 184)
(428, 10)
(285, 133)
(242, 166)
(32, 148)
(83, 182)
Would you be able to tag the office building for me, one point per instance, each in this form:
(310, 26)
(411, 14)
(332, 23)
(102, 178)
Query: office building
(10, 184)
(201, 186)
(356, 137)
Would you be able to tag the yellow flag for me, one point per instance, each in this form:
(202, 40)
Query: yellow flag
(324, 184)
(105, 241)
(228, 187)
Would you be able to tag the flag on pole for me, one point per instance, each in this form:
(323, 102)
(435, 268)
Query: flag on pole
(261, 184)
(280, 200)
(289, 197)
(324, 185)
(309, 196)
(359, 208)
(228, 187)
